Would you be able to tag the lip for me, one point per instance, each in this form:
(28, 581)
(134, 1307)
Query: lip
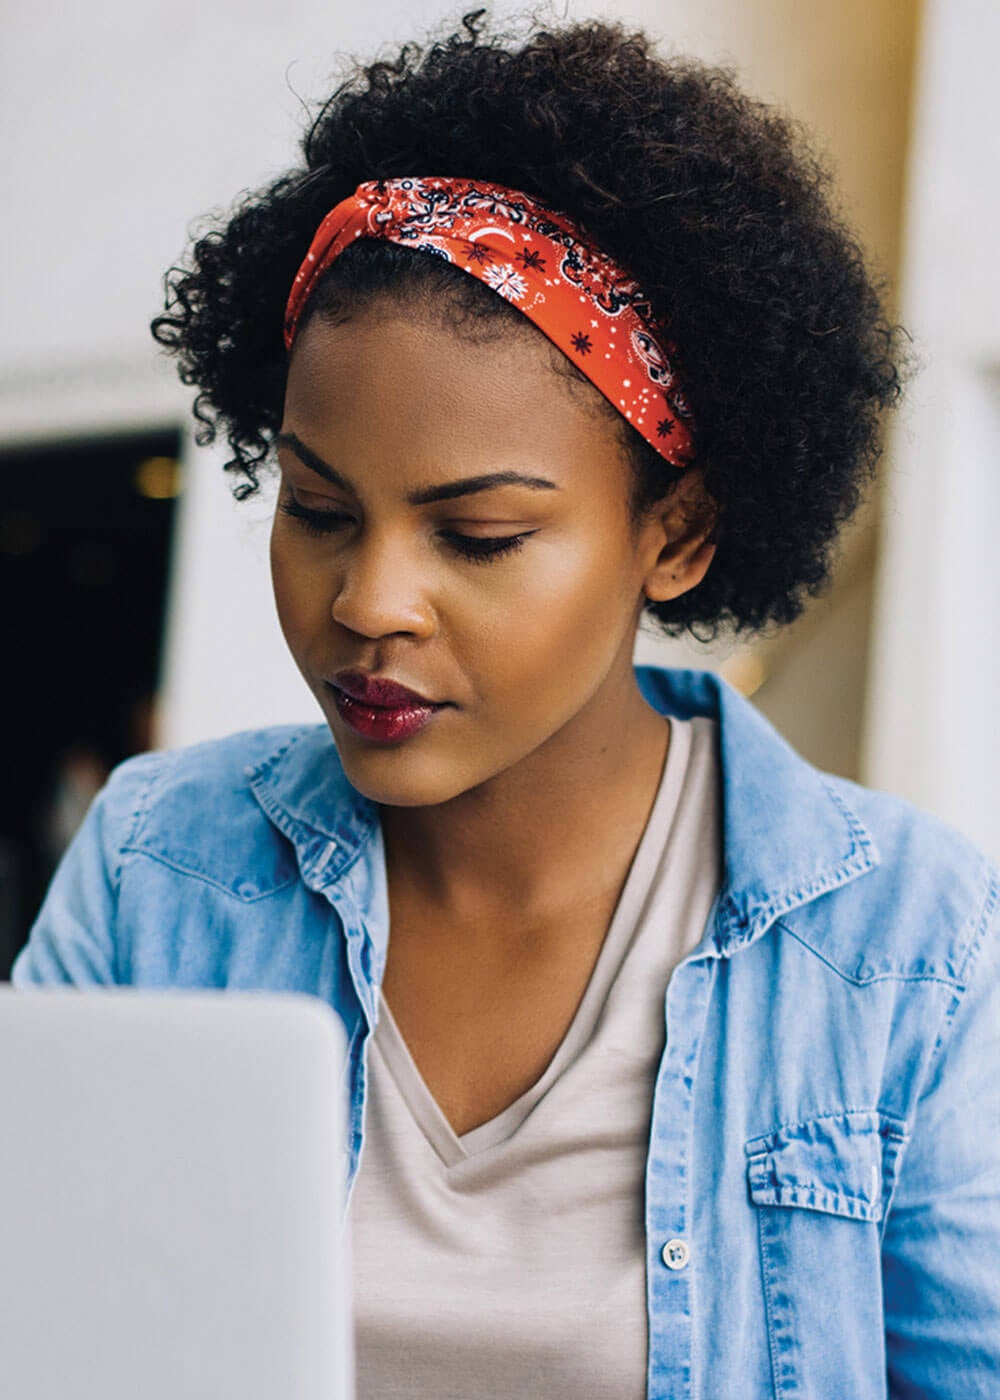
(378, 692)
(378, 709)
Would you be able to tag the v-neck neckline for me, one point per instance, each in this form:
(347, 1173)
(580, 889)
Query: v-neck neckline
(389, 1042)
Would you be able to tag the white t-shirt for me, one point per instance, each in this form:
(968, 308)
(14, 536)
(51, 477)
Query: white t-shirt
(510, 1262)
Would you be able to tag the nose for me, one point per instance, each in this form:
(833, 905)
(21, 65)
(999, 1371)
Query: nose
(381, 591)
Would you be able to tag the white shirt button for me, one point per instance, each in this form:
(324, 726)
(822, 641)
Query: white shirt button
(675, 1254)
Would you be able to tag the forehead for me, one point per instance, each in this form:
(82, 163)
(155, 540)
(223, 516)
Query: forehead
(395, 387)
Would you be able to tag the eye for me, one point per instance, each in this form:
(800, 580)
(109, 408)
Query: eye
(314, 522)
(476, 548)
(482, 550)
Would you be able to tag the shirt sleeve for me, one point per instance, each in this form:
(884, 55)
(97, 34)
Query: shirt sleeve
(73, 939)
(941, 1248)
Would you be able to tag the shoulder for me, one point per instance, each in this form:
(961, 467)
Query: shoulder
(872, 884)
(923, 910)
(216, 769)
(203, 809)
(163, 883)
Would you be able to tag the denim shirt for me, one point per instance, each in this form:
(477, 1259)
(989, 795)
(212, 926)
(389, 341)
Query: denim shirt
(822, 1196)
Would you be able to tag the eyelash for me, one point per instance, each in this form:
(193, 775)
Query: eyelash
(474, 548)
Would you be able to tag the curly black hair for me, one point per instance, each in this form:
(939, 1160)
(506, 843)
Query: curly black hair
(712, 200)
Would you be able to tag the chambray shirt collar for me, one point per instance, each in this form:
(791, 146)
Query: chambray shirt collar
(789, 834)
(302, 788)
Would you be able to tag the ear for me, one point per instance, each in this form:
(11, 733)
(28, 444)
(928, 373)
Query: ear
(679, 531)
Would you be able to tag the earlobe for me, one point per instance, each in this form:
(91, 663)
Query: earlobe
(677, 572)
(685, 527)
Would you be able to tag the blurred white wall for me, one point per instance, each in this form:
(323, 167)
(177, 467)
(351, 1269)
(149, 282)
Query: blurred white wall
(123, 124)
(127, 122)
(844, 69)
(932, 730)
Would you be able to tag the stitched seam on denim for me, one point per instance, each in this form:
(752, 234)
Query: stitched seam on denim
(981, 918)
(862, 857)
(283, 821)
(802, 894)
(353, 859)
(711, 975)
(207, 879)
(272, 758)
(897, 1126)
(812, 1198)
(975, 944)
(895, 1151)
(860, 835)
(876, 976)
(139, 812)
(273, 809)
(769, 1304)
(357, 1054)
(769, 912)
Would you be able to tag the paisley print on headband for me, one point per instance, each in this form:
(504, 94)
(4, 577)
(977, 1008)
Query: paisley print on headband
(541, 262)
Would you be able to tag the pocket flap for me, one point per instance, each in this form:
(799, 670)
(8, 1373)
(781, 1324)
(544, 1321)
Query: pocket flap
(833, 1163)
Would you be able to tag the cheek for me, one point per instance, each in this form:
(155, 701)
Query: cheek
(554, 619)
(299, 592)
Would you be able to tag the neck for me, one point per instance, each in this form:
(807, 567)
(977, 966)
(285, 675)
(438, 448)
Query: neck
(560, 825)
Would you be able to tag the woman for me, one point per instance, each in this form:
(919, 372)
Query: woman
(674, 1077)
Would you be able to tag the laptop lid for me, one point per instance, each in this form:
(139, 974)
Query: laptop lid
(172, 1174)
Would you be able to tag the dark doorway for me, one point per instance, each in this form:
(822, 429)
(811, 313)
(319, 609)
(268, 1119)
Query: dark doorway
(85, 537)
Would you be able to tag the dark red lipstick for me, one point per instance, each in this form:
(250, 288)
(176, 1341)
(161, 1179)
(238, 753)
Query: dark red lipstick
(380, 709)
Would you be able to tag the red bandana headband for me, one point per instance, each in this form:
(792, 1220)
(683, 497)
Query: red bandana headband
(540, 262)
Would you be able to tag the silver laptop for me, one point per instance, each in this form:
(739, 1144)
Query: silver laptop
(172, 1175)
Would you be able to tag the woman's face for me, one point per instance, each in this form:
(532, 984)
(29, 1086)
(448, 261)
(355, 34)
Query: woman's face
(452, 517)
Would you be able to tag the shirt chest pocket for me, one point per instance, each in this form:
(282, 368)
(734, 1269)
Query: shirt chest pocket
(819, 1190)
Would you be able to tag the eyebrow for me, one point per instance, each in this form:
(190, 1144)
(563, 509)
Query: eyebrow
(425, 495)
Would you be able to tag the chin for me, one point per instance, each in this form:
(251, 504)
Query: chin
(391, 777)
